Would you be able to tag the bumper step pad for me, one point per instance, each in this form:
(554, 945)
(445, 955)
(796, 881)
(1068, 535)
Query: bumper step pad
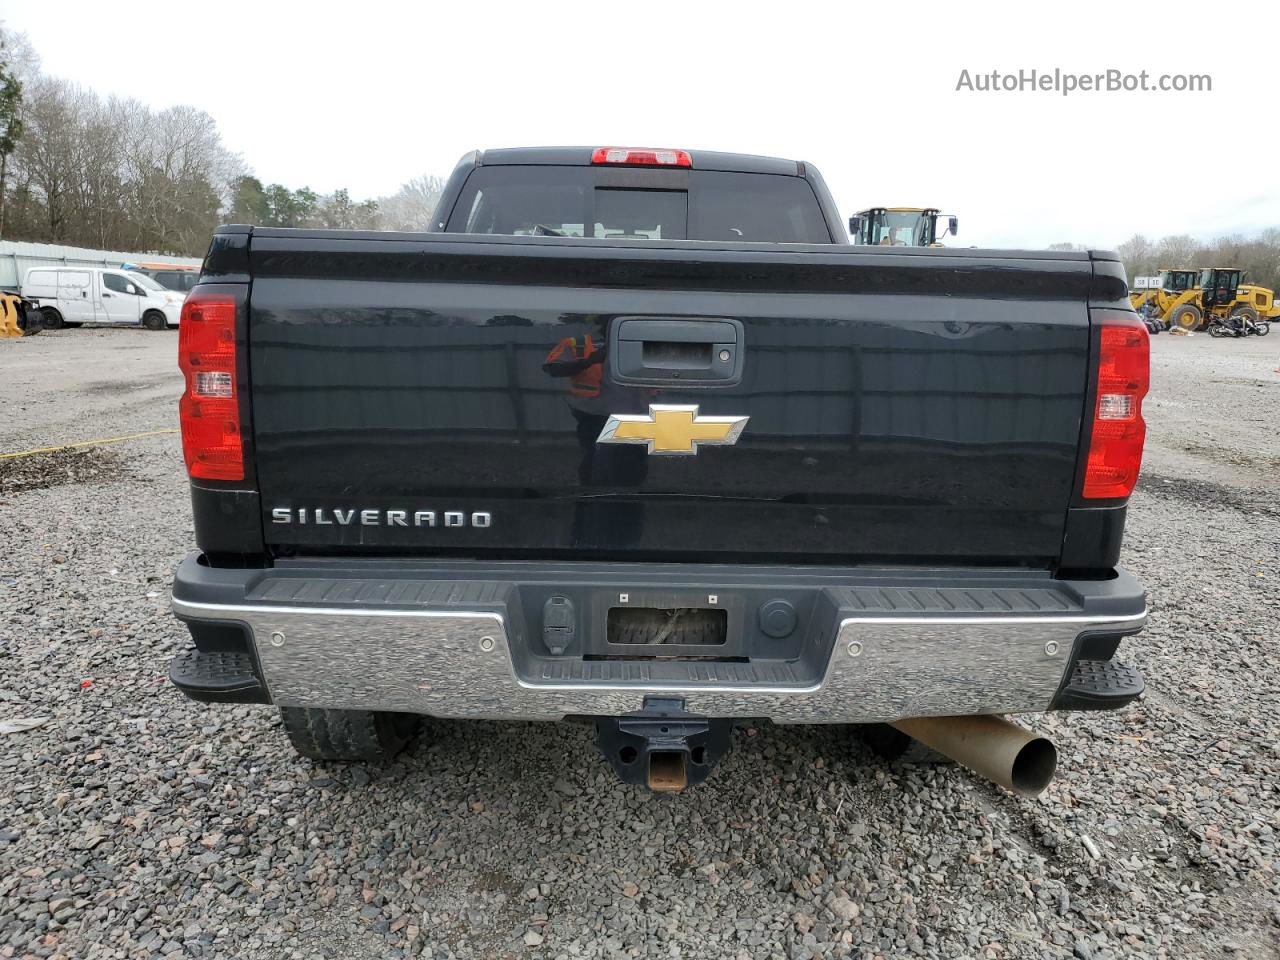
(220, 677)
(1101, 685)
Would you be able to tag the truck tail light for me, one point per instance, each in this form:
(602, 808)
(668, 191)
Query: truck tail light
(642, 156)
(1115, 442)
(209, 410)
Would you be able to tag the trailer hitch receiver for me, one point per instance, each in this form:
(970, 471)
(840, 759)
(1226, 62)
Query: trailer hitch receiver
(662, 746)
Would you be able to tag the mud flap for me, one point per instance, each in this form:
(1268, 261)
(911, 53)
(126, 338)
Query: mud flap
(662, 746)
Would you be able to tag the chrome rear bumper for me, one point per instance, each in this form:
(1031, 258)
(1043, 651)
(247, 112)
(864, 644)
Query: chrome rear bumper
(460, 664)
(362, 649)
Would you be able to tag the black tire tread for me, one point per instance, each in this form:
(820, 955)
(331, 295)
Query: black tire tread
(1189, 309)
(364, 735)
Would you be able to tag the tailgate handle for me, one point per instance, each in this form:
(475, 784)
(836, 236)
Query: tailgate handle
(654, 351)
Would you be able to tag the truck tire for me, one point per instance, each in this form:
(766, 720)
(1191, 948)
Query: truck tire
(50, 319)
(366, 735)
(890, 743)
(154, 320)
(1187, 316)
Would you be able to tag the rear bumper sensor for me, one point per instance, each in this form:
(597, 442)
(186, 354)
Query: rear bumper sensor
(869, 646)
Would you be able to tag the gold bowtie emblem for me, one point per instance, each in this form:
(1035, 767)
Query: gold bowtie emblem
(669, 429)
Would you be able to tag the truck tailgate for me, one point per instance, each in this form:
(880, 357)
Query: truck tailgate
(418, 395)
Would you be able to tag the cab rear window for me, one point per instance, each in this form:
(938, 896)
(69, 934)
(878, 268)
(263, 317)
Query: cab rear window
(573, 202)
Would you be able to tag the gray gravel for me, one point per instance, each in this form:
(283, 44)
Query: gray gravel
(135, 823)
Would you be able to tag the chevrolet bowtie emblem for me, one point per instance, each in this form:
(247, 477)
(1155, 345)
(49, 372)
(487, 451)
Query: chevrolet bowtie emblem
(670, 429)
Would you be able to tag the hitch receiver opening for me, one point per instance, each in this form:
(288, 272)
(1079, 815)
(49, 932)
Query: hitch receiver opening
(662, 746)
(668, 771)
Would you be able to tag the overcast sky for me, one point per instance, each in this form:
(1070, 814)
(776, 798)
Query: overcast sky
(366, 95)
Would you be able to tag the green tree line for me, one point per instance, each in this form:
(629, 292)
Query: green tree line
(86, 170)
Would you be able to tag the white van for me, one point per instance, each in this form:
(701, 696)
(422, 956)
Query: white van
(70, 296)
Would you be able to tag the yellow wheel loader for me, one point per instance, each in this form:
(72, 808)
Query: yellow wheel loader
(1219, 293)
(1213, 294)
(1156, 302)
(1256, 303)
(1225, 296)
(900, 227)
(19, 317)
(1187, 299)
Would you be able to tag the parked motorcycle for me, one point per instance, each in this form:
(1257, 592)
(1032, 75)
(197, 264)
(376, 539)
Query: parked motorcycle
(1238, 325)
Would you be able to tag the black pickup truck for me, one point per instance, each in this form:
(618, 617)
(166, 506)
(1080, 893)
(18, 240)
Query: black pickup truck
(637, 436)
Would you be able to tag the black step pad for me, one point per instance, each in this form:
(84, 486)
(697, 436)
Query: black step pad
(221, 677)
(1101, 685)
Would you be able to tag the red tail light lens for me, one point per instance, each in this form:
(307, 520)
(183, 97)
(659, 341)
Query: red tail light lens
(643, 156)
(210, 408)
(1124, 374)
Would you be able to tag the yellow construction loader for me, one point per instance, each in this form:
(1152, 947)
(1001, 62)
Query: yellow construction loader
(1188, 298)
(900, 227)
(1219, 293)
(1156, 302)
(1256, 303)
(18, 317)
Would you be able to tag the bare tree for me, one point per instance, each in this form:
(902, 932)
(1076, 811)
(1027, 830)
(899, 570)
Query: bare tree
(100, 211)
(412, 206)
(47, 154)
(1258, 258)
(339, 212)
(113, 173)
(1137, 255)
(19, 56)
(116, 174)
(178, 169)
(1177, 252)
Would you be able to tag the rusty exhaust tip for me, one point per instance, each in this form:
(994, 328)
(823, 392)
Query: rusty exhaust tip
(668, 771)
(990, 746)
(1034, 767)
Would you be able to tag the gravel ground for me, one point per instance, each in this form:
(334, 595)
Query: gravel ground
(135, 823)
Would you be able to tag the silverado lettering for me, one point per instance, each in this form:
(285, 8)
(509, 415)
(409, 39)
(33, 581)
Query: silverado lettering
(379, 517)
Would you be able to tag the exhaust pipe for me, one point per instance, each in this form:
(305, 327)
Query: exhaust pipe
(991, 747)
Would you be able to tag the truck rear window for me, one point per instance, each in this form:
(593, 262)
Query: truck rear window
(570, 202)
